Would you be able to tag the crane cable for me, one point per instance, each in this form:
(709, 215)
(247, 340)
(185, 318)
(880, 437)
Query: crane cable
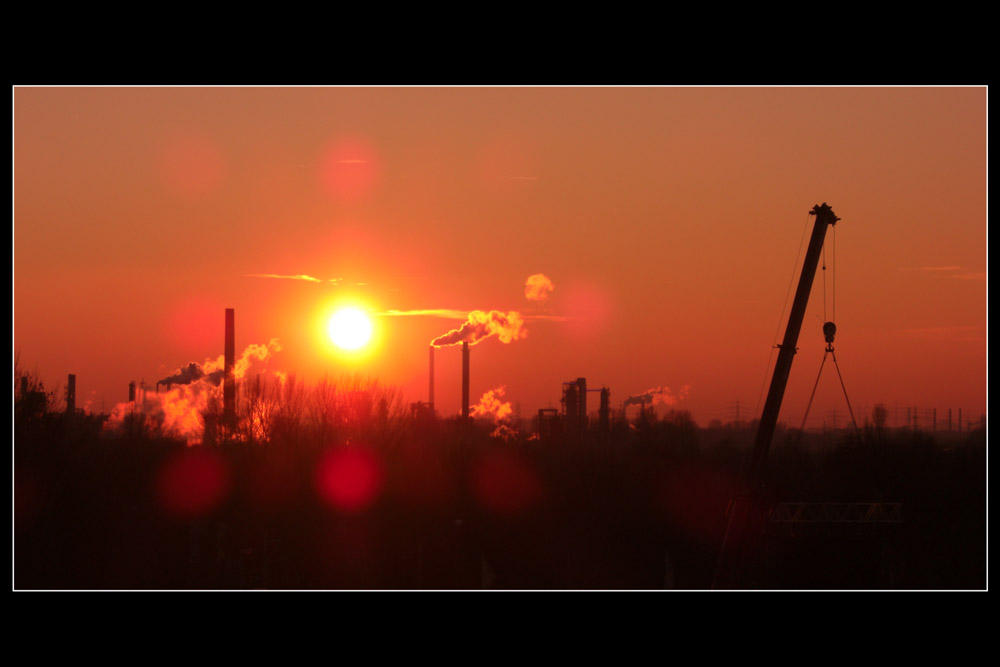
(829, 345)
(824, 280)
(829, 350)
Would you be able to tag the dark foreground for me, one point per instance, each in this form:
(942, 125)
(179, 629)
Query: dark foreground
(403, 502)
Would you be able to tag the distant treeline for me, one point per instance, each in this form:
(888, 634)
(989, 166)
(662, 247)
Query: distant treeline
(342, 486)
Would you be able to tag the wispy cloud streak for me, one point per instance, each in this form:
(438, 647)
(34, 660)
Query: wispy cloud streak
(301, 276)
(447, 313)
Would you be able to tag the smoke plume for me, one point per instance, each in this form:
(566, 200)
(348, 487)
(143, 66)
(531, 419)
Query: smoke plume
(490, 405)
(186, 375)
(537, 287)
(659, 396)
(480, 326)
(195, 389)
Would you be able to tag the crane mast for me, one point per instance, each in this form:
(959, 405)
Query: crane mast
(745, 512)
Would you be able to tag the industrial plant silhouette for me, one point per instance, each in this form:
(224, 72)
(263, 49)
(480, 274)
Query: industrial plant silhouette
(219, 478)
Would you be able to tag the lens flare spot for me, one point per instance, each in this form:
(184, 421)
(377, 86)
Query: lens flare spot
(348, 479)
(192, 484)
(350, 328)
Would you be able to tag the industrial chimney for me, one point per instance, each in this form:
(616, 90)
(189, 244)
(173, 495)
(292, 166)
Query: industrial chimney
(430, 398)
(229, 384)
(71, 395)
(131, 391)
(604, 415)
(465, 379)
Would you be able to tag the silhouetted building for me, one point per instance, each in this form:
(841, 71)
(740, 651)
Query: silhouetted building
(574, 402)
(548, 422)
(604, 416)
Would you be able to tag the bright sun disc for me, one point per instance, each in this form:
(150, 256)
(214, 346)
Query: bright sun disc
(350, 328)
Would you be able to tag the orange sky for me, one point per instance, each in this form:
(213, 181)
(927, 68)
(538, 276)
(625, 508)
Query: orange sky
(667, 218)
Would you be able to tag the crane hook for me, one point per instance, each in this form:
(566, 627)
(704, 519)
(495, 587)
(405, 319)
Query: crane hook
(829, 331)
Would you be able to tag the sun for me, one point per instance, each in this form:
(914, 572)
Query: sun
(350, 328)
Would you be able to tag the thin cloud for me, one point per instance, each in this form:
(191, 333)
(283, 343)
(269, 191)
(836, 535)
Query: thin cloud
(446, 313)
(980, 275)
(940, 268)
(550, 318)
(300, 276)
(336, 282)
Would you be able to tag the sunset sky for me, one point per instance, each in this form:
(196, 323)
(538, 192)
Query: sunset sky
(668, 220)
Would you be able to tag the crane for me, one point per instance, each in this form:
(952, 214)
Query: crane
(746, 510)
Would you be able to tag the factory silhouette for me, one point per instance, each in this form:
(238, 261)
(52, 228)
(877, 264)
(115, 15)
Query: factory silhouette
(220, 478)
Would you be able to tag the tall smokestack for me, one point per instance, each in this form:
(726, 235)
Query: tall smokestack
(465, 379)
(229, 384)
(431, 380)
(131, 391)
(605, 411)
(71, 395)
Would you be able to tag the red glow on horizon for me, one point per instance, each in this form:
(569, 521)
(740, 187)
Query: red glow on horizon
(348, 479)
(192, 483)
